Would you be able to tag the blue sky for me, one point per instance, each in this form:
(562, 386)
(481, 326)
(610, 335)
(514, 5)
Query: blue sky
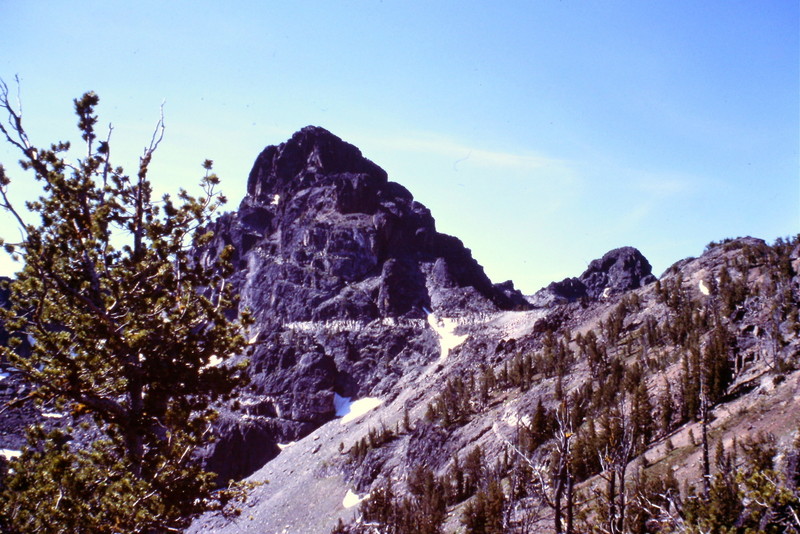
(541, 133)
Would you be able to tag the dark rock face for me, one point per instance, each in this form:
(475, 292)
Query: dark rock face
(339, 267)
(13, 422)
(514, 295)
(326, 234)
(619, 270)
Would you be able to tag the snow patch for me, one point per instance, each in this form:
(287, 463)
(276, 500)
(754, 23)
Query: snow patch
(349, 411)
(606, 293)
(350, 325)
(352, 499)
(3, 376)
(213, 361)
(10, 453)
(282, 446)
(52, 415)
(445, 328)
(703, 287)
(276, 199)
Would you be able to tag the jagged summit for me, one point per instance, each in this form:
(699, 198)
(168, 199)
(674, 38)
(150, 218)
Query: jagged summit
(340, 267)
(311, 153)
(619, 270)
(331, 238)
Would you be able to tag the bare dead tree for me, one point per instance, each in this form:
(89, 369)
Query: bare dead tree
(665, 515)
(614, 461)
(558, 492)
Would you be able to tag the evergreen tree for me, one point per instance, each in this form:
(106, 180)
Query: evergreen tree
(473, 470)
(717, 366)
(666, 409)
(129, 326)
(641, 418)
(484, 514)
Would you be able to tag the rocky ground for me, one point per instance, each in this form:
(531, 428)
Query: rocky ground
(305, 487)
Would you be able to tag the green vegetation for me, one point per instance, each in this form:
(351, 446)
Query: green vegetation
(129, 328)
(579, 462)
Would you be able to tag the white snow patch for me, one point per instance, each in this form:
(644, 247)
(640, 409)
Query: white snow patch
(703, 287)
(349, 411)
(347, 325)
(282, 446)
(52, 415)
(3, 375)
(213, 361)
(606, 292)
(10, 453)
(352, 499)
(253, 339)
(276, 199)
(350, 325)
(445, 328)
(360, 407)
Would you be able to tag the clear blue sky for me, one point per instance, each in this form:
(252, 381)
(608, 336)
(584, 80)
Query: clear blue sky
(542, 133)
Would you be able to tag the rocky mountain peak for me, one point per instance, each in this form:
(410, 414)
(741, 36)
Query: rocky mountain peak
(618, 270)
(300, 162)
(340, 268)
(323, 234)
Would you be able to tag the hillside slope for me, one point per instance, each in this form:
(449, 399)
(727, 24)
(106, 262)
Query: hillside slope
(609, 402)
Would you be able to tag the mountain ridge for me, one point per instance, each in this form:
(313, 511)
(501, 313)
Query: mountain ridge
(563, 339)
(478, 403)
(328, 462)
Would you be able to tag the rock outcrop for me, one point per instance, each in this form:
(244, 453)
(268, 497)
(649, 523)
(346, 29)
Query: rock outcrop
(322, 234)
(340, 267)
(619, 270)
